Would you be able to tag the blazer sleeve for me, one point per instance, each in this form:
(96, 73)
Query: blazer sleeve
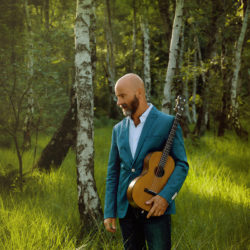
(112, 179)
(179, 174)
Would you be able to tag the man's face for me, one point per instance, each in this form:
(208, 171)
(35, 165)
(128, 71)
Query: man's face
(127, 100)
(130, 108)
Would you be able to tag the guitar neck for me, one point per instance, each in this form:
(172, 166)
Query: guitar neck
(168, 145)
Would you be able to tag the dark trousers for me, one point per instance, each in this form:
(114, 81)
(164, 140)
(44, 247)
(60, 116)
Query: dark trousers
(136, 229)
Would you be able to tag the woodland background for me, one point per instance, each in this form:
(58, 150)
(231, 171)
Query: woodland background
(39, 86)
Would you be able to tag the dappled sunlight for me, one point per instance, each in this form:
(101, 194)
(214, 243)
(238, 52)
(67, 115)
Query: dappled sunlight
(212, 205)
(27, 227)
(212, 175)
(217, 183)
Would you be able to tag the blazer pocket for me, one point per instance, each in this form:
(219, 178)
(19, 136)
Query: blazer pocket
(124, 167)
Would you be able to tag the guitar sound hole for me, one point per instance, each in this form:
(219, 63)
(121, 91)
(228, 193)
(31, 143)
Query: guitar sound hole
(159, 171)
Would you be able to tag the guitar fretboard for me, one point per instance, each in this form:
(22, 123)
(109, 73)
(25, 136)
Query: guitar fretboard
(168, 145)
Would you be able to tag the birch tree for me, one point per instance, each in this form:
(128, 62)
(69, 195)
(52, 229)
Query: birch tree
(146, 60)
(111, 72)
(173, 54)
(185, 93)
(134, 35)
(200, 127)
(30, 68)
(64, 137)
(93, 39)
(210, 54)
(194, 89)
(88, 200)
(235, 79)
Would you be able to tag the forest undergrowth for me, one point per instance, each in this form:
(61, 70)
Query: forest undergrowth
(212, 207)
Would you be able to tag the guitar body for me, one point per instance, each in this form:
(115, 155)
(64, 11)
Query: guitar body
(150, 182)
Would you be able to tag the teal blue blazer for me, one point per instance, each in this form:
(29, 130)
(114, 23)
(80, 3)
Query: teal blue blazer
(123, 168)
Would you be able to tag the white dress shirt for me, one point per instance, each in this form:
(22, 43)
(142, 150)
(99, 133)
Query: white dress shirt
(135, 131)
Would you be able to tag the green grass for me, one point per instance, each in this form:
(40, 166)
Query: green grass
(212, 207)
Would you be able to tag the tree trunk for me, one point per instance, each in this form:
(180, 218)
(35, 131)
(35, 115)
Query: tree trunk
(237, 64)
(16, 114)
(111, 63)
(20, 161)
(30, 64)
(226, 75)
(194, 90)
(173, 53)
(28, 121)
(65, 137)
(210, 54)
(201, 124)
(46, 14)
(134, 37)
(164, 12)
(93, 40)
(147, 78)
(88, 200)
(223, 117)
(182, 88)
(185, 93)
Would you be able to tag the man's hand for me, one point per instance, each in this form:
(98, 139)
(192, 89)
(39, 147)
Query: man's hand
(159, 206)
(109, 224)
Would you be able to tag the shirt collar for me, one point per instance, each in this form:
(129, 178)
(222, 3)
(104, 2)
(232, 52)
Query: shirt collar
(144, 116)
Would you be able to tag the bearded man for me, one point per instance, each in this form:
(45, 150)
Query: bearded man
(144, 130)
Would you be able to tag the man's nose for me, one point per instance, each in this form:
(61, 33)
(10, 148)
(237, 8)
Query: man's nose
(118, 102)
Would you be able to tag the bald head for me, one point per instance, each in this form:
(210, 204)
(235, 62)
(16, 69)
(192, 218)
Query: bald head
(131, 81)
(130, 93)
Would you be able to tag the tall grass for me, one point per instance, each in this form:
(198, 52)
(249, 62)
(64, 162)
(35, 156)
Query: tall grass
(212, 207)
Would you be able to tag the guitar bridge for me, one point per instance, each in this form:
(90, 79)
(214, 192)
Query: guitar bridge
(146, 190)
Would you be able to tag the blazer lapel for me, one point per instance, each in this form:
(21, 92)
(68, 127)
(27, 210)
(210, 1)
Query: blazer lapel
(125, 134)
(145, 131)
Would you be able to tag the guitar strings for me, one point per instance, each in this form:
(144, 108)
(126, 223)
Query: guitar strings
(164, 157)
(165, 153)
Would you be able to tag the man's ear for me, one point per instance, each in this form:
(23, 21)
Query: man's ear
(139, 93)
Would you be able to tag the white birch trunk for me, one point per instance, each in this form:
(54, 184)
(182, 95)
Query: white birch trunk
(182, 48)
(173, 53)
(88, 200)
(93, 39)
(237, 62)
(185, 83)
(30, 68)
(194, 90)
(147, 77)
(185, 93)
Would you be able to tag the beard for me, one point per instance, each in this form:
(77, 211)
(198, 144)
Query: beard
(130, 109)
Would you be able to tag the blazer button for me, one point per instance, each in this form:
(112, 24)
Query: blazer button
(133, 170)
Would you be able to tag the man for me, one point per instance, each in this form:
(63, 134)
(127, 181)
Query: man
(144, 130)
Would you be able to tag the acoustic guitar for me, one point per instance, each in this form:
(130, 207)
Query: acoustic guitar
(157, 168)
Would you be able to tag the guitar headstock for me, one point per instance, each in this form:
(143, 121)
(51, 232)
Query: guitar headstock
(180, 102)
